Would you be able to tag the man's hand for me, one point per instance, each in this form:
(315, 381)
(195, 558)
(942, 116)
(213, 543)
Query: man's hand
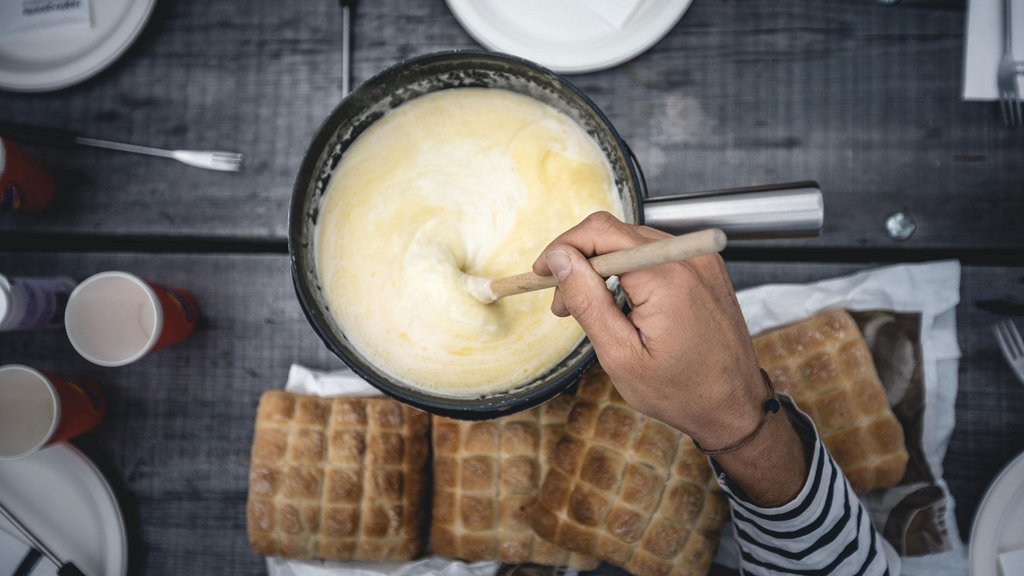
(683, 354)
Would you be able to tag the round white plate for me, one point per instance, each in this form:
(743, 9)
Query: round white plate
(999, 523)
(65, 501)
(566, 35)
(41, 61)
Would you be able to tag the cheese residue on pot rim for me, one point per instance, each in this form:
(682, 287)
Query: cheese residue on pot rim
(463, 181)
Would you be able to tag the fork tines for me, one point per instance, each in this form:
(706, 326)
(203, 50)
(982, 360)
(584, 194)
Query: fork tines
(1012, 345)
(1006, 75)
(229, 160)
(1011, 107)
(230, 157)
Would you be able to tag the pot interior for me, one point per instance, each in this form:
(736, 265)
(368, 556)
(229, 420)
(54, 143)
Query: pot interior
(384, 92)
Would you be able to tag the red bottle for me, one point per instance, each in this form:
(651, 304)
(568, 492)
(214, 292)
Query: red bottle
(25, 185)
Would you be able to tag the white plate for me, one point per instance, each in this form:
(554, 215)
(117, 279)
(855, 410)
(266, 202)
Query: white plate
(999, 523)
(37, 62)
(565, 35)
(61, 496)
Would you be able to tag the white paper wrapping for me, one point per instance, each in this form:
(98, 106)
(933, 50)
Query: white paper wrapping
(425, 567)
(932, 290)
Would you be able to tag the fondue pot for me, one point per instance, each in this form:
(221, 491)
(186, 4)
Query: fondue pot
(773, 211)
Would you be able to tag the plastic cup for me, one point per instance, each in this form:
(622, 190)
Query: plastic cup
(25, 185)
(116, 318)
(38, 409)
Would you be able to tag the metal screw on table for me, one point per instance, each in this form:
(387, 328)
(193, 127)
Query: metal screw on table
(900, 226)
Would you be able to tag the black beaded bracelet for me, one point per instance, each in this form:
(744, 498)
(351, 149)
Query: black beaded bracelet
(771, 406)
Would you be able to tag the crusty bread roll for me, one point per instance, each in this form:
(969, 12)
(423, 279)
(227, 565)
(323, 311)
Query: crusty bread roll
(825, 365)
(337, 478)
(628, 489)
(486, 475)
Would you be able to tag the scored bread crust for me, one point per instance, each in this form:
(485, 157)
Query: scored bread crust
(337, 478)
(628, 489)
(825, 365)
(486, 475)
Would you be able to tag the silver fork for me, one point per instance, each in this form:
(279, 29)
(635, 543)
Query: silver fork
(209, 159)
(47, 136)
(1006, 75)
(1012, 346)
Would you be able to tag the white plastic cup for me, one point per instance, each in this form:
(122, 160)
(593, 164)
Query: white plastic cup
(116, 318)
(38, 409)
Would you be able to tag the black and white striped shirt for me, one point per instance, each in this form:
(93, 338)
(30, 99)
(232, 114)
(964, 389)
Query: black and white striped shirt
(823, 530)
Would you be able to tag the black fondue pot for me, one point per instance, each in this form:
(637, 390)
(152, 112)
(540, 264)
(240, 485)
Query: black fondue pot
(422, 75)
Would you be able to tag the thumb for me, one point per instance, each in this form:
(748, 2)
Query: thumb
(586, 296)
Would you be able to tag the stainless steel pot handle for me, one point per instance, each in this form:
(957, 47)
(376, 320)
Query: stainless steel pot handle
(793, 210)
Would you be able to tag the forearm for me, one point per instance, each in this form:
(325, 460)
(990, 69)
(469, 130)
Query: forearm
(758, 448)
(822, 529)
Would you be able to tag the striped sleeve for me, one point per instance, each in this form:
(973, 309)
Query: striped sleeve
(823, 530)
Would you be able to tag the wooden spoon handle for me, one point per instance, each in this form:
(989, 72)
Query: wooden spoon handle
(674, 249)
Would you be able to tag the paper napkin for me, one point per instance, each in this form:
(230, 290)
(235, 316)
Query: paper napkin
(1012, 562)
(616, 12)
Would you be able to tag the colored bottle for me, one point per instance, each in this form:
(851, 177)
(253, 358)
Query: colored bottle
(33, 303)
(25, 185)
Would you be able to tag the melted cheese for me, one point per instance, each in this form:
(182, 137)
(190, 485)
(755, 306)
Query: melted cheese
(465, 181)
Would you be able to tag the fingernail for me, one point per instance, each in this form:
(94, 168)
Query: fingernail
(559, 263)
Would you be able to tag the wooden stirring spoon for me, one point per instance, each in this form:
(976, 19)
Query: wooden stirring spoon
(674, 249)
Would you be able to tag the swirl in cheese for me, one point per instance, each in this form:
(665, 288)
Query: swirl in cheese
(463, 181)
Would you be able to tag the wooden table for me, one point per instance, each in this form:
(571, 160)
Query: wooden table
(861, 96)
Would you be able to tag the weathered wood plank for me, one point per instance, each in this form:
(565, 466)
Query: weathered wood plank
(175, 441)
(859, 95)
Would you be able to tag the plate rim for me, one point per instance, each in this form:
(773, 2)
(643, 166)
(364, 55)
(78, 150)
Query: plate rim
(465, 12)
(69, 74)
(1014, 467)
(66, 451)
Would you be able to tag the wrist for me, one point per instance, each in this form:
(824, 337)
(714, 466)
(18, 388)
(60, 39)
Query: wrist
(773, 468)
(737, 415)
